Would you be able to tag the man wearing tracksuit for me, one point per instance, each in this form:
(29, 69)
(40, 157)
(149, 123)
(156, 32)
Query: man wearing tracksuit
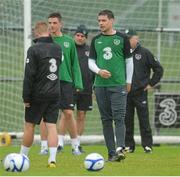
(144, 64)
(41, 90)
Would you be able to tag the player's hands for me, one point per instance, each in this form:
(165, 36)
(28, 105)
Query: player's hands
(128, 87)
(104, 73)
(27, 105)
(147, 87)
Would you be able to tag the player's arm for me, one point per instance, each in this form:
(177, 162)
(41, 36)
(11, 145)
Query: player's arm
(102, 72)
(92, 63)
(29, 75)
(129, 63)
(156, 68)
(129, 72)
(76, 71)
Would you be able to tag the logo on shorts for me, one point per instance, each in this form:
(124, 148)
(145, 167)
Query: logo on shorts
(90, 107)
(71, 105)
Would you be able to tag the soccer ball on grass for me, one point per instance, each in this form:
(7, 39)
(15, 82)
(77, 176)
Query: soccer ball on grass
(94, 162)
(15, 162)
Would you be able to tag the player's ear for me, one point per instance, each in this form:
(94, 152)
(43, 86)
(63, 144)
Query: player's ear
(62, 24)
(36, 34)
(112, 20)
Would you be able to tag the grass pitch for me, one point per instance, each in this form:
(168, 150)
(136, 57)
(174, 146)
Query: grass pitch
(164, 161)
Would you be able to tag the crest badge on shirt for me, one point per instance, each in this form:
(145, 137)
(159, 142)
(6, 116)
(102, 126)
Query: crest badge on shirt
(116, 41)
(87, 53)
(138, 56)
(66, 44)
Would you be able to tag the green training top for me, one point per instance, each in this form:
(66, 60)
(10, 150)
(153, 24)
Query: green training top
(110, 52)
(69, 68)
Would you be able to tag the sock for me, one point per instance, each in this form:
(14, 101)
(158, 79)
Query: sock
(24, 150)
(79, 139)
(52, 154)
(44, 145)
(61, 140)
(74, 143)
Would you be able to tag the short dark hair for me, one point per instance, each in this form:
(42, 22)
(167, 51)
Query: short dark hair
(55, 15)
(107, 12)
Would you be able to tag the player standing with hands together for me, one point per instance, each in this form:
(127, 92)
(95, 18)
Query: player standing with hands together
(111, 60)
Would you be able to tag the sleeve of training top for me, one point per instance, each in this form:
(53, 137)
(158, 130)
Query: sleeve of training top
(156, 68)
(29, 75)
(76, 72)
(129, 60)
(129, 70)
(92, 66)
(92, 58)
(92, 52)
(127, 48)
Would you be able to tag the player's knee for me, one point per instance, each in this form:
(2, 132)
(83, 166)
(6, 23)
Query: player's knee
(68, 114)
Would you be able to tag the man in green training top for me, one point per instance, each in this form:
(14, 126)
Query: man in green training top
(70, 78)
(111, 60)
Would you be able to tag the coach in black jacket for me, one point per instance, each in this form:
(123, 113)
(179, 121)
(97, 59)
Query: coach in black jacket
(41, 90)
(144, 64)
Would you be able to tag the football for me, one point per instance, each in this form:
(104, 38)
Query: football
(15, 162)
(94, 162)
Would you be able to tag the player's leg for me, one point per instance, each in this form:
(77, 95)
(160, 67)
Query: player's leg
(61, 132)
(52, 142)
(43, 136)
(71, 128)
(32, 117)
(84, 104)
(67, 122)
(143, 116)
(28, 138)
(67, 106)
(118, 96)
(104, 106)
(80, 121)
(129, 122)
(63, 103)
(50, 119)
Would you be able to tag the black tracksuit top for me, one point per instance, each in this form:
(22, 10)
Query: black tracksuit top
(144, 64)
(87, 75)
(41, 82)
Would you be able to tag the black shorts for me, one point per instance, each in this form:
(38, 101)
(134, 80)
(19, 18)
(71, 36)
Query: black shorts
(83, 102)
(66, 98)
(47, 110)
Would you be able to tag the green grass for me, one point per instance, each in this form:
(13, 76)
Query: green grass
(164, 161)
